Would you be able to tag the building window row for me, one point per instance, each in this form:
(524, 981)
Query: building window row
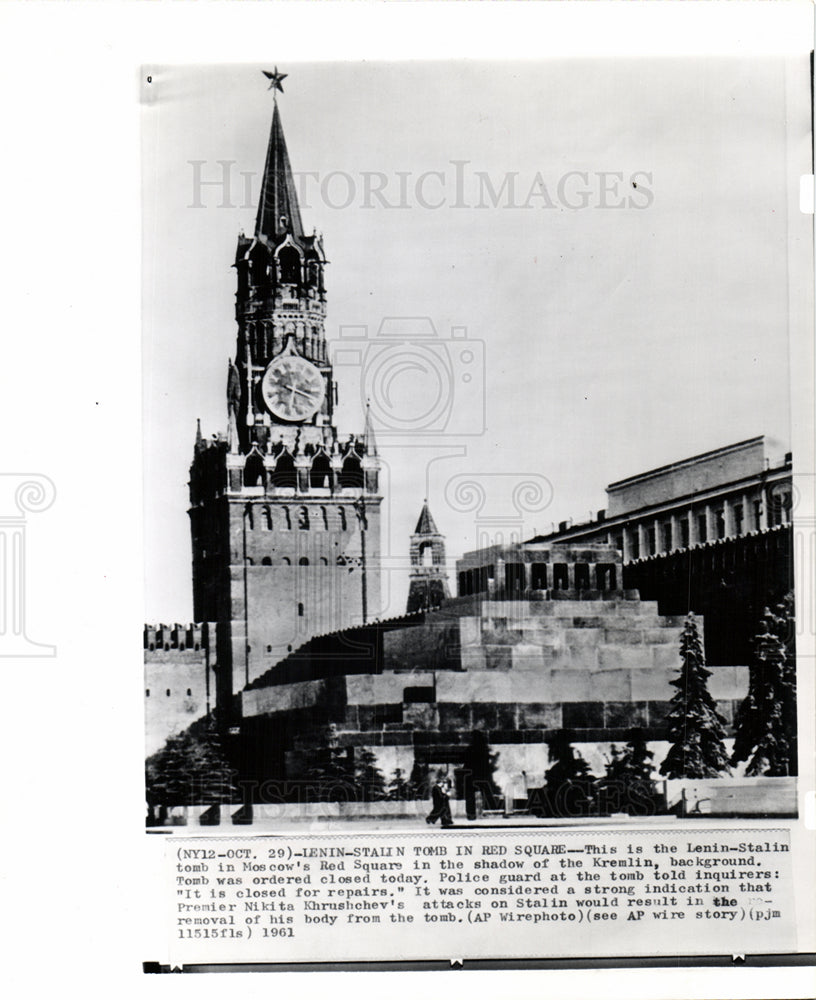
(265, 343)
(656, 536)
(295, 561)
(320, 475)
(303, 520)
(168, 646)
(521, 577)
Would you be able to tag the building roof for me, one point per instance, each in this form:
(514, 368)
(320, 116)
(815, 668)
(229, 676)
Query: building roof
(754, 442)
(278, 197)
(350, 650)
(425, 524)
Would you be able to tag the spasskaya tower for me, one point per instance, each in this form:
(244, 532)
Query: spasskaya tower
(285, 514)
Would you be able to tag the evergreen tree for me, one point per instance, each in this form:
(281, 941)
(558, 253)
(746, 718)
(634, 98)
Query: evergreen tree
(615, 763)
(766, 720)
(696, 728)
(338, 774)
(420, 780)
(479, 766)
(634, 762)
(569, 784)
(399, 787)
(190, 769)
(627, 785)
(369, 781)
(568, 764)
(330, 774)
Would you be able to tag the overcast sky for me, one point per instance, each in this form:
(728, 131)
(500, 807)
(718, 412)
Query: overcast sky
(605, 340)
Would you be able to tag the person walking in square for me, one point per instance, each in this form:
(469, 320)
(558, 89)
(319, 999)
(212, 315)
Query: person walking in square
(440, 796)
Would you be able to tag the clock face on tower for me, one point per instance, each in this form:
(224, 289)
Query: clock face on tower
(292, 388)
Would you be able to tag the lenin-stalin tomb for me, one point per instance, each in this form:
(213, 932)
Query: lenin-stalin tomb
(289, 657)
(517, 663)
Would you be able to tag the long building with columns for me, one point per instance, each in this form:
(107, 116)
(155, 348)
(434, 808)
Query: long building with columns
(710, 534)
(726, 493)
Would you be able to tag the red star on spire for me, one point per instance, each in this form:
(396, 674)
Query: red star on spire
(276, 79)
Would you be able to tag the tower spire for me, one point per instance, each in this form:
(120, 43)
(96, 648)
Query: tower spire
(278, 208)
(429, 579)
(426, 524)
(369, 441)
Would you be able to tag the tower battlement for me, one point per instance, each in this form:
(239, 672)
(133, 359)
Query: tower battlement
(193, 636)
(179, 678)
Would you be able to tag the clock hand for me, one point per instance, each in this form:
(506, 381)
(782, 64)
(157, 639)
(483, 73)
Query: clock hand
(300, 392)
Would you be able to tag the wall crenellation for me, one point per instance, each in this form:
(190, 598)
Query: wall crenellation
(161, 637)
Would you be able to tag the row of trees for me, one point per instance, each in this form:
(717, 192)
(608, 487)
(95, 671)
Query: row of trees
(765, 735)
(192, 767)
(570, 788)
(765, 723)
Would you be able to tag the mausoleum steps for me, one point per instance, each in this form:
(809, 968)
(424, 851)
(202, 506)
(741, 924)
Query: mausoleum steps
(561, 608)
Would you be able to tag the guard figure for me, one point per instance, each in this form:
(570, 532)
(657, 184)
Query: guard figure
(440, 796)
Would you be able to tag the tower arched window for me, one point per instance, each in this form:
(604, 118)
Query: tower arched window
(325, 518)
(426, 554)
(303, 519)
(266, 561)
(242, 268)
(254, 471)
(320, 474)
(342, 512)
(289, 261)
(300, 609)
(315, 275)
(259, 266)
(287, 521)
(267, 518)
(284, 476)
(303, 561)
(351, 476)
